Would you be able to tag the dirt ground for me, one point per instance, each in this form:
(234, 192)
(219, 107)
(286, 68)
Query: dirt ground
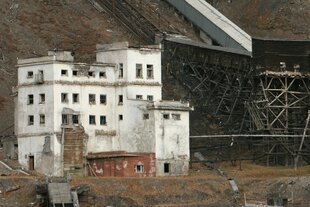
(202, 187)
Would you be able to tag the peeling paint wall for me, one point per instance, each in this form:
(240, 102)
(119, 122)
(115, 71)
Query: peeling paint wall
(124, 166)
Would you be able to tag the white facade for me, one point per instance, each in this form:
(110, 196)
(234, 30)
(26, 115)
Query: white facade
(117, 100)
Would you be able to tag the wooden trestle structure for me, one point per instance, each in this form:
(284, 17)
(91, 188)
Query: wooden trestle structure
(260, 114)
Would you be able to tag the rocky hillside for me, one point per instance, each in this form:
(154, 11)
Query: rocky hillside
(287, 19)
(29, 28)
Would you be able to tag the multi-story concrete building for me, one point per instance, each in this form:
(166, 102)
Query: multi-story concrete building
(107, 117)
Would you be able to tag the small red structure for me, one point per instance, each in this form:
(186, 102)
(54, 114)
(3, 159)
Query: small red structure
(121, 164)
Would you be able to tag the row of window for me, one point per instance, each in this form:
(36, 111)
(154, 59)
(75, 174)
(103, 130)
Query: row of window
(140, 168)
(76, 98)
(102, 74)
(71, 119)
(30, 99)
(75, 118)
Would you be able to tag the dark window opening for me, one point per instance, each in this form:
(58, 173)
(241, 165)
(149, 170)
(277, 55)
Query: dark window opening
(30, 99)
(103, 99)
(166, 167)
(75, 119)
(92, 119)
(103, 120)
(30, 120)
(42, 119)
(120, 117)
(146, 116)
(120, 99)
(166, 116)
(139, 97)
(139, 168)
(75, 98)
(102, 74)
(150, 98)
(74, 73)
(30, 74)
(149, 70)
(65, 119)
(42, 98)
(139, 73)
(91, 73)
(64, 98)
(64, 72)
(92, 99)
(121, 72)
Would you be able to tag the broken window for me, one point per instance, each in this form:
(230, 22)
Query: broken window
(103, 99)
(74, 73)
(120, 117)
(64, 72)
(30, 99)
(42, 98)
(42, 119)
(91, 73)
(166, 116)
(149, 71)
(139, 97)
(102, 74)
(30, 74)
(166, 167)
(92, 119)
(139, 71)
(64, 98)
(65, 119)
(146, 116)
(120, 99)
(92, 98)
(75, 98)
(30, 120)
(121, 71)
(139, 168)
(103, 120)
(150, 98)
(75, 119)
(176, 116)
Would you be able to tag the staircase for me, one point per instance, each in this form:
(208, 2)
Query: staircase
(73, 152)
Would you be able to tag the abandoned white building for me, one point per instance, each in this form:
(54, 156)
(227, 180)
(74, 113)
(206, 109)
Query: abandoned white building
(103, 119)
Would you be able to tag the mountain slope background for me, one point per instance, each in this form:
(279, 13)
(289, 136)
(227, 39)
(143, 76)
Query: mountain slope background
(28, 28)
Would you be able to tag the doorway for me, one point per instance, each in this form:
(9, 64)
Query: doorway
(31, 162)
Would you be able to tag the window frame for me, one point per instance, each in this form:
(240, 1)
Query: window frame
(104, 74)
(30, 99)
(29, 74)
(77, 118)
(75, 98)
(120, 100)
(150, 97)
(30, 123)
(92, 119)
(64, 98)
(139, 97)
(42, 98)
(42, 117)
(139, 168)
(151, 68)
(105, 99)
(139, 71)
(64, 72)
(92, 99)
(104, 123)
(121, 70)
(64, 117)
